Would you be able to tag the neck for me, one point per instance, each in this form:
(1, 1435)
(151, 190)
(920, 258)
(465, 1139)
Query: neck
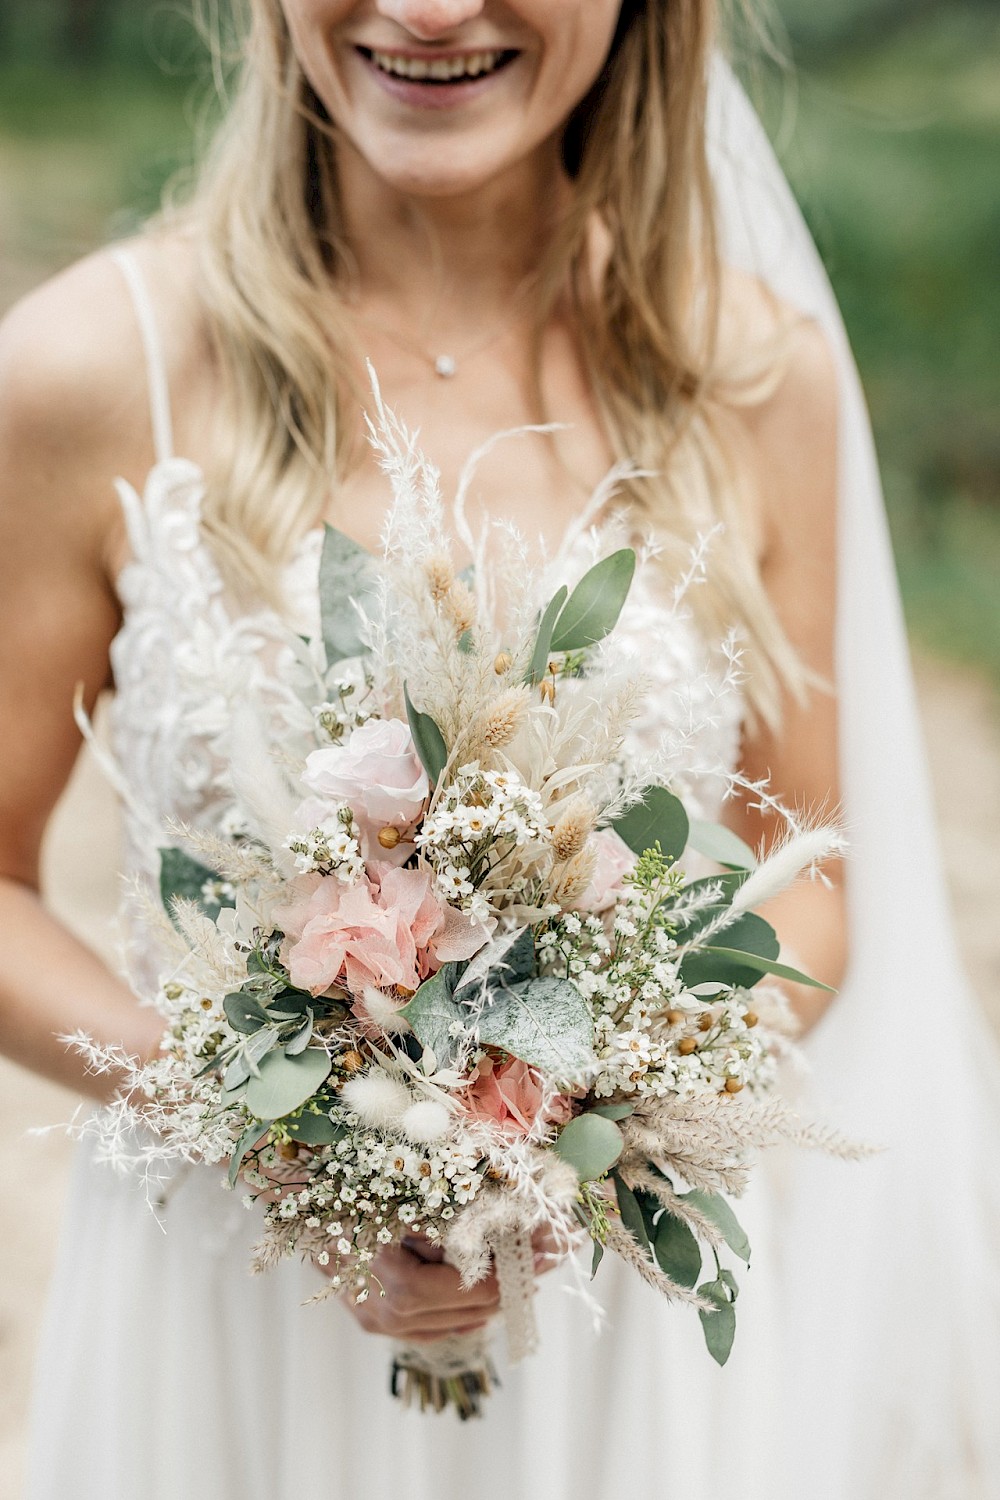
(449, 260)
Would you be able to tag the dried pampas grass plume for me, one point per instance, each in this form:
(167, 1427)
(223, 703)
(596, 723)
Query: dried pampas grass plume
(572, 878)
(504, 717)
(440, 575)
(572, 827)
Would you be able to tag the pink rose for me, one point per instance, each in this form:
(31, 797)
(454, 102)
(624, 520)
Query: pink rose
(377, 773)
(390, 934)
(510, 1094)
(614, 860)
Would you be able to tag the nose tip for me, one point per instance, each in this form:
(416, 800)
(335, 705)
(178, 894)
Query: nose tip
(429, 20)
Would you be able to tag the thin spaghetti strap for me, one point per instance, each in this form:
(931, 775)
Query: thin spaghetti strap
(156, 369)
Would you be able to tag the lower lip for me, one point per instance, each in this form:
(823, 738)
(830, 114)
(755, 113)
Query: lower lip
(434, 95)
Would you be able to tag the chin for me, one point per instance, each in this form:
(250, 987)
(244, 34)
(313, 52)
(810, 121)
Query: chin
(439, 174)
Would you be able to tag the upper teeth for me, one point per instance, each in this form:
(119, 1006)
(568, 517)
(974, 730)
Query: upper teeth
(469, 66)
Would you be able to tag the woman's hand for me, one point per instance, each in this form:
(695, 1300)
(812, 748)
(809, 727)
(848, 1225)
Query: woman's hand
(422, 1299)
(418, 1298)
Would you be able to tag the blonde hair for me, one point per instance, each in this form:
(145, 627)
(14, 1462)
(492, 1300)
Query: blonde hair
(272, 249)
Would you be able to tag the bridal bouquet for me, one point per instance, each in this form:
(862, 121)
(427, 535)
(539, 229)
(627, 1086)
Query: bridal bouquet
(445, 975)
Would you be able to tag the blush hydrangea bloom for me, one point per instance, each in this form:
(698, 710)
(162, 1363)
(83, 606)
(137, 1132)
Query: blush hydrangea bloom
(389, 932)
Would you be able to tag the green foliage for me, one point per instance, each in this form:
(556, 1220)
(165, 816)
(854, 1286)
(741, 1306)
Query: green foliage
(719, 1326)
(716, 1208)
(717, 842)
(184, 878)
(658, 821)
(677, 1252)
(592, 609)
(543, 640)
(436, 1015)
(890, 132)
(283, 1083)
(545, 1022)
(591, 1144)
(428, 740)
(346, 579)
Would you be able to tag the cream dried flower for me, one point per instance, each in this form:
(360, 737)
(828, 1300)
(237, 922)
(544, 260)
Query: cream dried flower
(571, 828)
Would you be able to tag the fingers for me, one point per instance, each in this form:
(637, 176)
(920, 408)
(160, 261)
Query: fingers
(413, 1283)
(422, 1300)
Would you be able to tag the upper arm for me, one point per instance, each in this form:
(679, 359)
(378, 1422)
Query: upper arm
(794, 441)
(65, 398)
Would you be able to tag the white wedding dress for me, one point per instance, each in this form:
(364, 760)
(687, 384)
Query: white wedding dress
(866, 1357)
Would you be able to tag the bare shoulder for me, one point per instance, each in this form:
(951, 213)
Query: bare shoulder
(792, 423)
(74, 402)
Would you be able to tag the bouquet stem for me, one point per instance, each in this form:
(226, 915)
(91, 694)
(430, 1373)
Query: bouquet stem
(457, 1371)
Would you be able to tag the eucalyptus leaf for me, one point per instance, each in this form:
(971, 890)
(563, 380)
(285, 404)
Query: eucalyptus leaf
(314, 1129)
(244, 1013)
(730, 1281)
(677, 1252)
(650, 1208)
(598, 1257)
(258, 1045)
(729, 966)
(628, 1207)
(591, 1145)
(592, 609)
(347, 576)
(433, 1012)
(292, 1002)
(744, 932)
(543, 640)
(511, 955)
(717, 842)
(285, 1083)
(545, 1022)
(252, 1133)
(659, 818)
(236, 1074)
(716, 1208)
(427, 739)
(719, 1326)
(613, 1111)
(182, 876)
(301, 1039)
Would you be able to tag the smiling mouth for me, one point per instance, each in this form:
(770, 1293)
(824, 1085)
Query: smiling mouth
(438, 71)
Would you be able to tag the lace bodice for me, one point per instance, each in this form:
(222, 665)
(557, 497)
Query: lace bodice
(185, 657)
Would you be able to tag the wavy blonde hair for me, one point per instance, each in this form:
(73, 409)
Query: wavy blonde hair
(273, 248)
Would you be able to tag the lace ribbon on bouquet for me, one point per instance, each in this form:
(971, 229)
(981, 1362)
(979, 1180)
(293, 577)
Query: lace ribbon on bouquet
(458, 1371)
(514, 1259)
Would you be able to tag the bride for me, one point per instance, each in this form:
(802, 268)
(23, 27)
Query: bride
(521, 211)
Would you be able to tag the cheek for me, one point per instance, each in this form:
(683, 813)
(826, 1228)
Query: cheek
(310, 25)
(576, 37)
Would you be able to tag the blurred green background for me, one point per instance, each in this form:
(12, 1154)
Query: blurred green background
(888, 122)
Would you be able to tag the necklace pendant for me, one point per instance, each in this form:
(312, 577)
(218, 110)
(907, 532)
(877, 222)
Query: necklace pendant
(445, 366)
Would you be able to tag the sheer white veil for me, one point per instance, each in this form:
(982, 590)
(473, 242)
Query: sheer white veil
(890, 1273)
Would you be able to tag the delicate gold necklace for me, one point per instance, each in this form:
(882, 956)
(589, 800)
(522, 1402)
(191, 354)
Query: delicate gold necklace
(445, 363)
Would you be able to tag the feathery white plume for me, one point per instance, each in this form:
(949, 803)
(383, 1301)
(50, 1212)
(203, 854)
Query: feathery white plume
(426, 1121)
(793, 855)
(377, 1097)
